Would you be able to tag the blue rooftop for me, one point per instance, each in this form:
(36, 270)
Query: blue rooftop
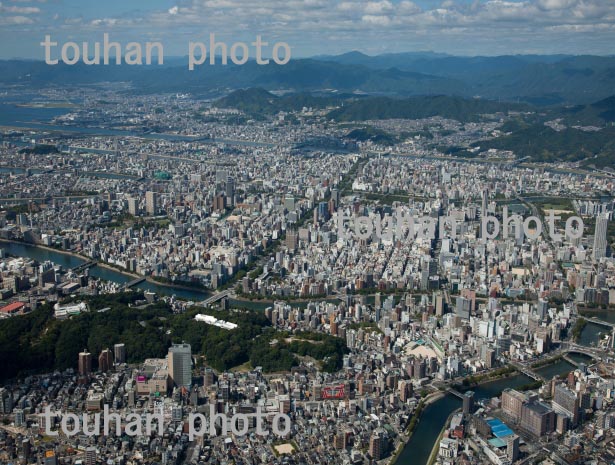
(499, 429)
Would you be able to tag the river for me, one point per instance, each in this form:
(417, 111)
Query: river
(70, 261)
(434, 416)
(418, 449)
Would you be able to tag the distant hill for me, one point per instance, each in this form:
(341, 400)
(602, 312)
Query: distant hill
(457, 108)
(544, 144)
(255, 100)
(596, 114)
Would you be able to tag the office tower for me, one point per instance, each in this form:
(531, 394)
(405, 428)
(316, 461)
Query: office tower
(438, 303)
(292, 239)
(133, 206)
(600, 237)
(512, 447)
(119, 350)
(323, 211)
(230, 191)
(462, 308)
(105, 361)
(180, 364)
(85, 363)
(468, 402)
(543, 307)
(219, 203)
(335, 196)
(565, 401)
(151, 203)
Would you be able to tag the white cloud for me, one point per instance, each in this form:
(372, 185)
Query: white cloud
(555, 4)
(378, 8)
(25, 10)
(376, 20)
(15, 20)
(174, 10)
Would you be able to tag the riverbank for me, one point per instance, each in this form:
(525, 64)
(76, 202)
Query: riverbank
(417, 448)
(189, 293)
(416, 418)
(436, 446)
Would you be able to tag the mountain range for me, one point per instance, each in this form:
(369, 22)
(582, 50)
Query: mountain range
(538, 79)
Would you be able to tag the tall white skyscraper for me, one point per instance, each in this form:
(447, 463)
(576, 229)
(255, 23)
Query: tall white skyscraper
(180, 364)
(600, 237)
(151, 203)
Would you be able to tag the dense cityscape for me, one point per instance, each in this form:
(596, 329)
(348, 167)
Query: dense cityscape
(213, 262)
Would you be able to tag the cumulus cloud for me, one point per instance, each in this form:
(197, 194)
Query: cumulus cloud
(391, 22)
(378, 8)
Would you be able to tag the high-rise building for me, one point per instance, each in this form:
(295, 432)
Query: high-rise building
(600, 237)
(462, 308)
(565, 401)
(90, 456)
(133, 206)
(512, 403)
(335, 196)
(468, 402)
(119, 350)
(512, 447)
(6, 401)
(20, 417)
(292, 239)
(85, 363)
(105, 360)
(377, 444)
(221, 176)
(151, 203)
(230, 191)
(537, 419)
(542, 308)
(180, 364)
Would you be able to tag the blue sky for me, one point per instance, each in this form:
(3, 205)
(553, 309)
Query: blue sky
(312, 27)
